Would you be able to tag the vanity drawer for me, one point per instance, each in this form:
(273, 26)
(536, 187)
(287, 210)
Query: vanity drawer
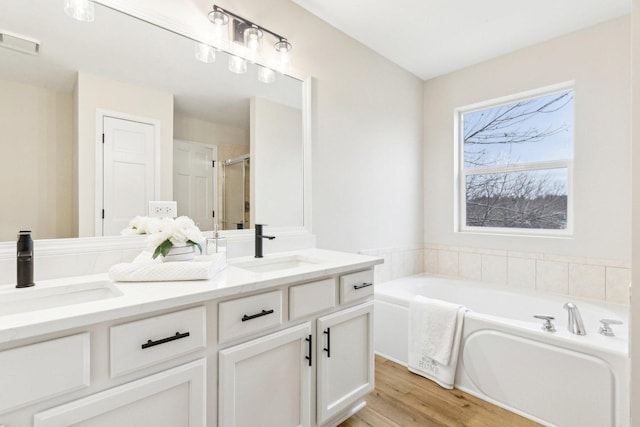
(356, 286)
(311, 298)
(248, 315)
(43, 370)
(149, 341)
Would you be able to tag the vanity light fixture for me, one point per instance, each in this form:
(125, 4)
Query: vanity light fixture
(82, 10)
(237, 65)
(283, 47)
(205, 53)
(250, 36)
(266, 74)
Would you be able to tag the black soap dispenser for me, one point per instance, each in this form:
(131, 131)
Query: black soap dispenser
(25, 260)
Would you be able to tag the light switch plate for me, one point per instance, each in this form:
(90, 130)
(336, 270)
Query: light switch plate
(162, 209)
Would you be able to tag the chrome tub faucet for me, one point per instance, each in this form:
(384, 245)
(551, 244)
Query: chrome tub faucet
(575, 324)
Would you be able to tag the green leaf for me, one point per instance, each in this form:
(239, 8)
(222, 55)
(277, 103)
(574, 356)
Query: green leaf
(163, 249)
(197, 245)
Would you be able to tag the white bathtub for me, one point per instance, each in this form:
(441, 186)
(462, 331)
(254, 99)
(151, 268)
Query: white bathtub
(556, 378)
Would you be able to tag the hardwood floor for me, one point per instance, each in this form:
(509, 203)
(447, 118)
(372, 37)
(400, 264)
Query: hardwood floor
(405, 399)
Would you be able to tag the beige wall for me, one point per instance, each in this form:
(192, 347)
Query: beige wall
(35, 161)
(95, 92)
(597, 59)
(635, 296)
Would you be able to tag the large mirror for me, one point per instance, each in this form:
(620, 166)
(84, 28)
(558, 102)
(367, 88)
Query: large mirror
(109, 115)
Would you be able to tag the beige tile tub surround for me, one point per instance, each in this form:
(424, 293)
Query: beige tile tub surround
(601, 279)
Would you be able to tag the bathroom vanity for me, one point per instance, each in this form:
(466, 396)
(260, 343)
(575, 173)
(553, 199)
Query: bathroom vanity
(278, 341)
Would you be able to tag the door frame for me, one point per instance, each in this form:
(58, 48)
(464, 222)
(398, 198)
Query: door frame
(99, 178)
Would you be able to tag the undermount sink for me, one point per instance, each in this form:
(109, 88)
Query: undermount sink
(278, 263)
(14, 300)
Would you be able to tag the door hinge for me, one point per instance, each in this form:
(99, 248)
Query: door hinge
(103, 138)
(213, 163)
(102, 213)
(214, 214)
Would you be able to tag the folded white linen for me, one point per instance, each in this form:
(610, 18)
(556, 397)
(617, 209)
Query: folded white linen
(145, 269)
(435, 329)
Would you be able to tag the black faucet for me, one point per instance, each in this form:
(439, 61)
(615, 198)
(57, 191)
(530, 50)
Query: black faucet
(24, 260)
(259, 237)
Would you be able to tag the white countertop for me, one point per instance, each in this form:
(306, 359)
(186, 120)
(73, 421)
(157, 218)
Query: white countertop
(146, 297)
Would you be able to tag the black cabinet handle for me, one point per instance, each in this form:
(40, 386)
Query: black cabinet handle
(309, 357)
(177, 336)
(328, 348)
(253, 316)
(364, 285)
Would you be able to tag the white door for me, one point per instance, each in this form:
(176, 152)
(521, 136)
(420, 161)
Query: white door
(128, 172)
(345, 359)
(266, 381)
(194, 181)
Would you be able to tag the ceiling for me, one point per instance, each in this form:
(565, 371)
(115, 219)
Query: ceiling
(435, 37)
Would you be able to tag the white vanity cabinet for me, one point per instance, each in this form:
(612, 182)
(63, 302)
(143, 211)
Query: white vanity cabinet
(345, 359)
(175, 397)
(267, 381)
(313, 373)
(167, 396)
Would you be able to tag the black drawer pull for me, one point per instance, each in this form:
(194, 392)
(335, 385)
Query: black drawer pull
(253, 316)
(309, 340)
(328, 348)
(364, 285)
(177, 336)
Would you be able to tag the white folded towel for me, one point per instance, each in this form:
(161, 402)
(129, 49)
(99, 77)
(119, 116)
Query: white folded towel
(146, 269)
(435, 329)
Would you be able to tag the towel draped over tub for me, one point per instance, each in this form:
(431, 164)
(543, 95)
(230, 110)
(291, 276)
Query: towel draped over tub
(435, 330)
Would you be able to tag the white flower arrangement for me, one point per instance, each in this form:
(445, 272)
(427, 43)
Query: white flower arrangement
(166, 233)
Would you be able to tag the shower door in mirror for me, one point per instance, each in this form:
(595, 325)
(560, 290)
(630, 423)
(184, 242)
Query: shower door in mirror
(236, 205)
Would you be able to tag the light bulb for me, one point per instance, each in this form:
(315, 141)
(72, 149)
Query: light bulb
(219, 20)
(253, 42)
(283, 48)
(266, 75)
(237, 65)
(205, 53)
(82, 10)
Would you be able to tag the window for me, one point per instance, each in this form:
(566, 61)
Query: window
(515, 164)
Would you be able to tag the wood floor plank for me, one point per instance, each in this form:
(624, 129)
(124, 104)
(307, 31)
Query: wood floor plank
(403, 399)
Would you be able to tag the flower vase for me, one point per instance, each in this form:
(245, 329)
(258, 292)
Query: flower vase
(180, 253)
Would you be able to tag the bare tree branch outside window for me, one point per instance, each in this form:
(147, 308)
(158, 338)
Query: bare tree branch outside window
(516, 163)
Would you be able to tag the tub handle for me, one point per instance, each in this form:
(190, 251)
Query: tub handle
(605, 329)
(547, 326)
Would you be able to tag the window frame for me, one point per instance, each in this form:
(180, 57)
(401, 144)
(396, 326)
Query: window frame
(460, 173)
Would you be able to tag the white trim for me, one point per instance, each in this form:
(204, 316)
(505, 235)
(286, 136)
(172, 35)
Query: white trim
(508, 99)
(460, 173)
(307, 92)
(99, 190)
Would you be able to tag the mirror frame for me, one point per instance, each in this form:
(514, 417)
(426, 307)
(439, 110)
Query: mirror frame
(68, 246)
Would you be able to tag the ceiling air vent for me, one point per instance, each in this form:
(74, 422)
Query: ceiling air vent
(19, 43)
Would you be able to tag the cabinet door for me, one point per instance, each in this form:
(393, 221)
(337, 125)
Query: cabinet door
(266, 381)
(175, 397)
(345, 359)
